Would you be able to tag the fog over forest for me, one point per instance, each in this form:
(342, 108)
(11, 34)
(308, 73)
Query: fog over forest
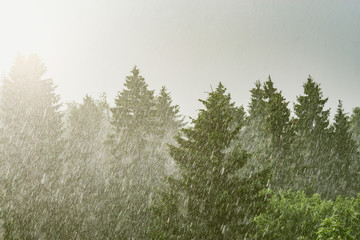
(179, 120)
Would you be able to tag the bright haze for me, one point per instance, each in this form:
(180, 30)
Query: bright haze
(189, 46)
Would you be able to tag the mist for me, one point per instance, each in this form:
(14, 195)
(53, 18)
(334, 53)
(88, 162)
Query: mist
(179, 120)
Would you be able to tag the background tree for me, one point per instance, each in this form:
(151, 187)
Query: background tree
(168, 122)
(141, 125)
(86, 128)
(355, 126)
(31, 151)
(343, 168)
(267, 134)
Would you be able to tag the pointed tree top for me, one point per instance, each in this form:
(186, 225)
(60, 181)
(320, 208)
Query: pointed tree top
(135, 71)
(220, 88)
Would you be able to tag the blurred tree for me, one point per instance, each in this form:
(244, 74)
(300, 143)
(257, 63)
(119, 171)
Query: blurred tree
(141, 125)
(86, 128)
(267, 134)
(355, 126)
(168, 122)
(31, 152)
(167, 115)
(344, 167)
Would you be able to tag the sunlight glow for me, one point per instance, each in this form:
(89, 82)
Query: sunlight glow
(22, 31)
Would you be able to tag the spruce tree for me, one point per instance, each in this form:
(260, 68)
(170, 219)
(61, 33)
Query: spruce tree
(136, 167)
(167, 115)
(343, 169)
(253, 136)
(267, 134)
(277, 122)
(219, 200)
(311, 152)
(168, 123)
(279, 132)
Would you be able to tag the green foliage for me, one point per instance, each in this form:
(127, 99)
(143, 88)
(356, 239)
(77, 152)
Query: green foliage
(331, 229)
(293, 215)
(118, 173)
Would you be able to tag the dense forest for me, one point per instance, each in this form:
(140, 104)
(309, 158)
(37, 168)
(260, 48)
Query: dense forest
(132, 168)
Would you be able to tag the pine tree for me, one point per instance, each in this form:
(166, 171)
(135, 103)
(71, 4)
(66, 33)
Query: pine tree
(32, 128)
(217, 195)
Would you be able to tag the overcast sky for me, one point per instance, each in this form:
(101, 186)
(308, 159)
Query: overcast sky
(188, 45)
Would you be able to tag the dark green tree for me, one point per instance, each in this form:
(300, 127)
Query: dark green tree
(219, 200)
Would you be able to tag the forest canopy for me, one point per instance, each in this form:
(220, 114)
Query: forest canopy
(132, 168)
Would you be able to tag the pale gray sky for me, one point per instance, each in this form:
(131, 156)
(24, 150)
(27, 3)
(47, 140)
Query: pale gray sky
(188, 45)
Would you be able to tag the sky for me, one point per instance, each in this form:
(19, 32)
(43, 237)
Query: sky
(89, 47)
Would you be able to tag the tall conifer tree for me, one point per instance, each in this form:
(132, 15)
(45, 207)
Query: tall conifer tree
(142, 123)
(220, 201)
(311, 148)
(344, 167)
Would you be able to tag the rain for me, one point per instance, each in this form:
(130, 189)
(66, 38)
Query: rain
(179, 120)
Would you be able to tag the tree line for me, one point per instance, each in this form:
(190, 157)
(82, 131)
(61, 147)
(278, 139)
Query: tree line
(135, 170)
